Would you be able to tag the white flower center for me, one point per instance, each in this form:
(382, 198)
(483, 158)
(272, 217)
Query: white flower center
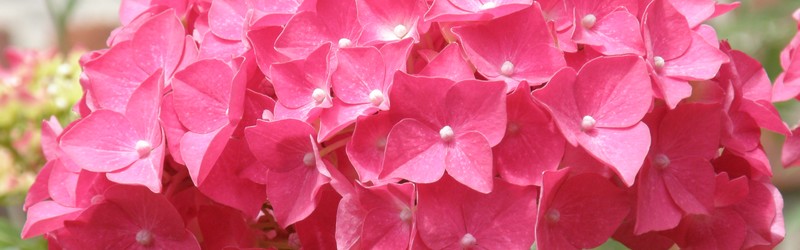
(309, 159)
(588, 21)
(488, 5)
(400, 31)
(405, 215)
(507, 68)
(552, 215)
(587, 123)
(658, 62)
(446, 133)
(661, 161)
(318, 95)
(344, 43)
(144, 237)
(468, 241)
(376, 97)
(512, 127)
(267, 115)
(143, 148)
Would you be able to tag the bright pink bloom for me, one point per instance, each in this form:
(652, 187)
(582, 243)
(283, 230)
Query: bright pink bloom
(157, 45)
(676, 54)
(128, 147)
(472, 10)
(580, 211)
(452, 216)
(303, 86)
(529, 129)
(130, 217)
(367, 147)
(449, 63)
(609, 26)
(449, 126)
(333, 21)
(390, 20)
(288, 149)
(599, 108)
(379, 217)
(678, 180)
(514, 48)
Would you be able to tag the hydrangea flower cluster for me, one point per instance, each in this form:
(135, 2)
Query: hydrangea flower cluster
(392, 124)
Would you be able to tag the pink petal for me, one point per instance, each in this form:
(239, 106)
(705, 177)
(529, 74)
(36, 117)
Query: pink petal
(106, 136)
(144, 107)
(223, 180)
(366, 148)
(116, 75)
(280, 151)
(202, 95)
(690, 130)
(318, 229)
(469, 161)
(201, 151)
(655, 208)
(614, 34)
(579, 212)
(145, 171)
(623, 149)
(450, 64)
(340, 116)
(522, 39)
(414, 152)
(701, 61)
(294, 193)
(263, 42)
(333, 20)
(531, 130)
(226, 18)
(295, 81)
(381, 17)
(667, 30)
(564, 110)
(47, 216)
(159, 43)
(615, 91)
(468, 10)
(361, 70)
(421, 98)
(477, 106)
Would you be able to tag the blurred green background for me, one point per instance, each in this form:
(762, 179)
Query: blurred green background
(760, 28)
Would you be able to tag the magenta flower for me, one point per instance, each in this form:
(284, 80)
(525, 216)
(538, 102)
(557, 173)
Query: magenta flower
(449, 126)
(452, 216)
(128, 147)
(600, 108)
(609, 26)
(379, 217)
(473, 10)
(514, 48)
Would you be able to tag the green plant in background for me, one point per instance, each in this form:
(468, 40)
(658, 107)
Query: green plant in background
(37, 86)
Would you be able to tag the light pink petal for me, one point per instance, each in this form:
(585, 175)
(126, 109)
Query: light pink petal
(106, 137)
(695, 11)
(349, 221)
(332, 21)
(226, 18)
(477, 106)
(338, 117)
(701, 61)
(200, 151)
(366, 148)
(202, 95)
(116, 75)
(62, 184)
(295, 81)
(263, 42)
(521, 39)
(450, 64)
(564, 110)
(395, 55)
(144, 107)
(470, 10)
(47, 216)
(469, 161)
(784, 91)
(158, 44)
(214, 47)
(615, 91)
(173, 129)
(39, 190)
(294, 194)
(584, 211)
(414, 152)
(223, 181)
(672, 90)
(145, 171)
(280, 145)
(667, 30)
(623, 149)
(381, 17)
(790, 154)
(655, 208)
(530, 129)
(361, 70)
(51, 129)
(614, 34)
